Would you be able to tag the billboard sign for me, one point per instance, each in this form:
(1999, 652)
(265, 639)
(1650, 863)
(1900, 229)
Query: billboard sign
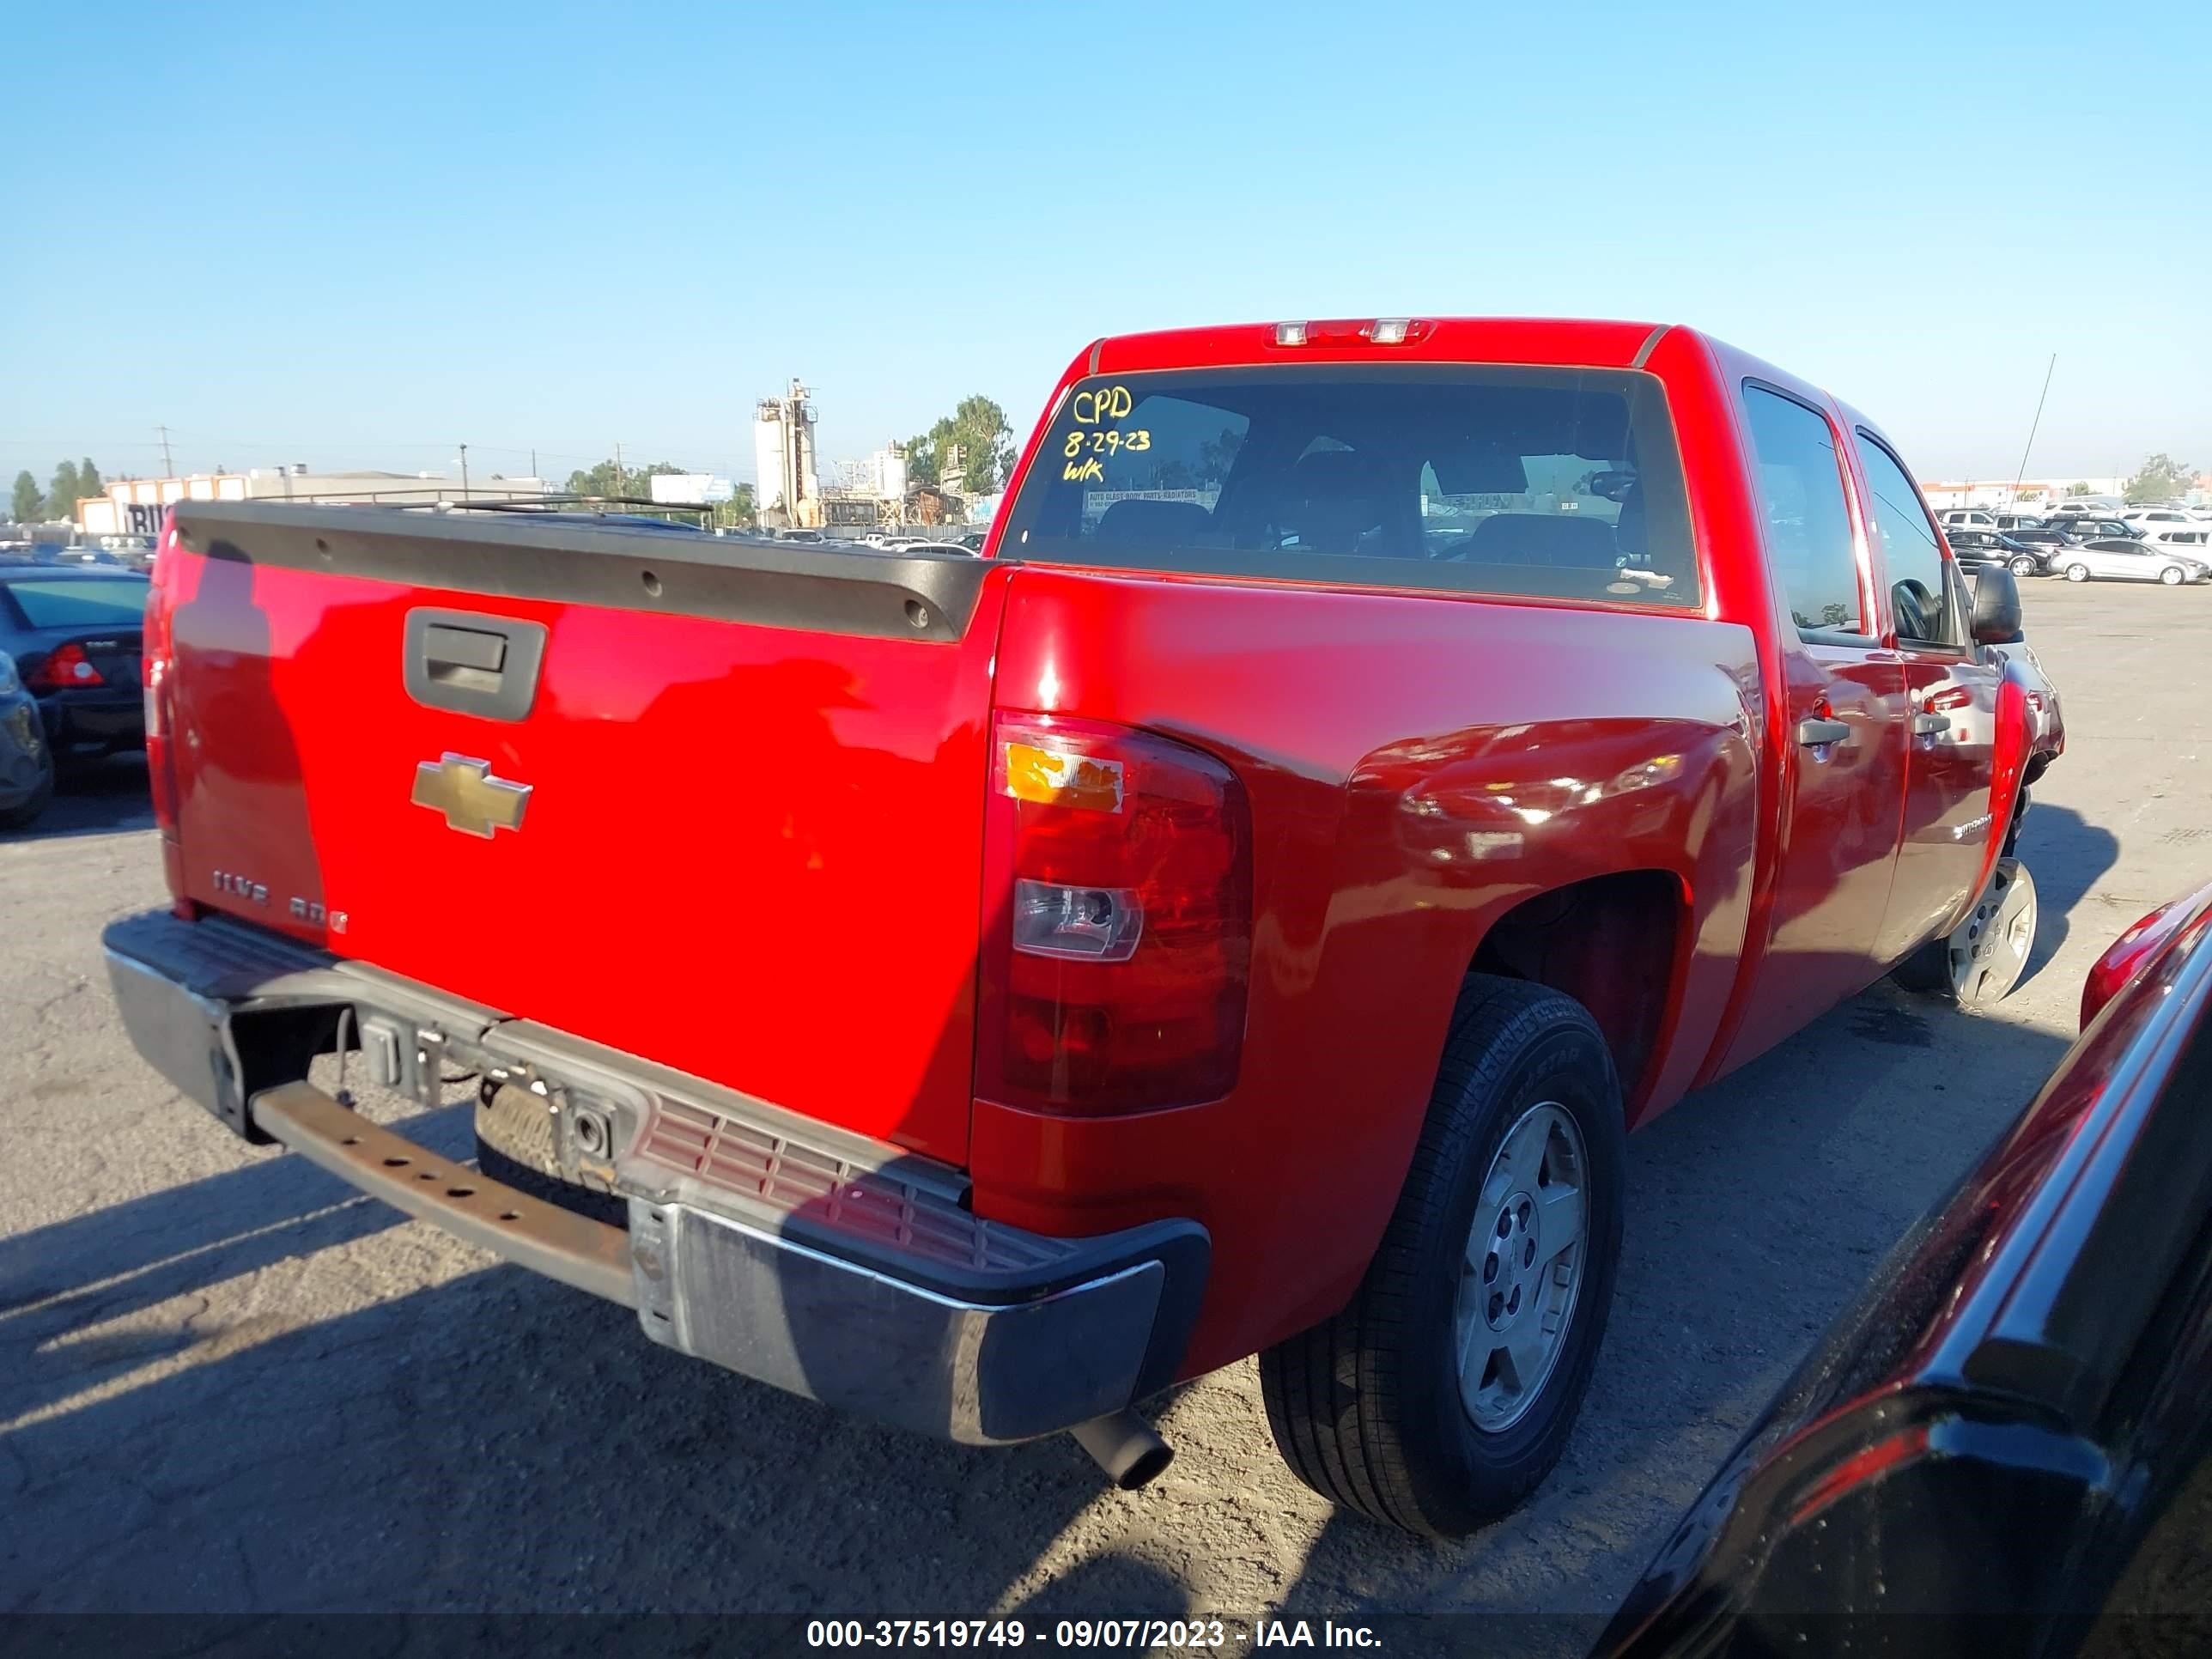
(689, 489)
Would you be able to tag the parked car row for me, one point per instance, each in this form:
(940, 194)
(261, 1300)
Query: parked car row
(949, 538)
(2081, 549)
(2066, 513)
(120, 556)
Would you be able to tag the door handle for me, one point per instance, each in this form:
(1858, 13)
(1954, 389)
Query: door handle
(1813, 732)
(1928, 723)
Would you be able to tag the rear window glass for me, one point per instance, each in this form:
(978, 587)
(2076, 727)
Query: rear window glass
(1552, 482)
(101, 602)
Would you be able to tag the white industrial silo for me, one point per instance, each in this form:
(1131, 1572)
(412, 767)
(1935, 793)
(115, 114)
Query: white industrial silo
(784, 453)
(767, 455)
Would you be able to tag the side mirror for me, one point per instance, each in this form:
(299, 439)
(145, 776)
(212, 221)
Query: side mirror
(1997, 607)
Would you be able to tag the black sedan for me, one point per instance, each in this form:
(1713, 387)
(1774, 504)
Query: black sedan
(74, 632)
(1978, 548)
(2006, 1448)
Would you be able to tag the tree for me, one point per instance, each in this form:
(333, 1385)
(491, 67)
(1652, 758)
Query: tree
(2082, 489)
(977, 428)
(62, 493)
(740, 511)
(88, 481)
(29, 506)
(2162, 478)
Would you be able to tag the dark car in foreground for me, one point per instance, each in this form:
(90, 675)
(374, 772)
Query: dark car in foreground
(74, 632)
(2006, 1447)
(26, 762)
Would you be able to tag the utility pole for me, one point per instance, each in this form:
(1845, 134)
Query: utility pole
(465, 472)
(2032, 426)
(621, 483)
(533, 461)
(168, 467)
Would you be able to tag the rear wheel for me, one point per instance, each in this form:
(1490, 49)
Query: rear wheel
(1445, 1392)
(1981, 960)
(2077, 572)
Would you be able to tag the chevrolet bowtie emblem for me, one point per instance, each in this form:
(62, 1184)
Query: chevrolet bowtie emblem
(474, 802)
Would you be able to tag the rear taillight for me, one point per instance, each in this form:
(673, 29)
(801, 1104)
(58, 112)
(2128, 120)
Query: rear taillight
(1117, 920)
(161, 756)
(67, 669)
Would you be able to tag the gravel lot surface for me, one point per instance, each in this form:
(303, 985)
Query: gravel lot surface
(227, 1384)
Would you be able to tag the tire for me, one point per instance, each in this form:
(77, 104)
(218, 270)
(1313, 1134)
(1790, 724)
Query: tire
(1983, 959)
(2025, 566)
(2174, 576)
(2077, 572)
(25, 813)
(1367, 1407)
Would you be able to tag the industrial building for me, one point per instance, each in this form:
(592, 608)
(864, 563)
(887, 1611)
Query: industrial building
(2030, 493)
(874, 493)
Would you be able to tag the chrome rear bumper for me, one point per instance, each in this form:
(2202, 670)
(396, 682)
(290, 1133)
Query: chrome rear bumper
(842, 1269)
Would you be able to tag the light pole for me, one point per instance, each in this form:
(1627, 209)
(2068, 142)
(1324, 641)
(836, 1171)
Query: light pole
(465, 472)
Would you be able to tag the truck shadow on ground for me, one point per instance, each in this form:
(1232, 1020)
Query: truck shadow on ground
(2068, 855)
(103, 797)
(72, 1295)
(500, 1443)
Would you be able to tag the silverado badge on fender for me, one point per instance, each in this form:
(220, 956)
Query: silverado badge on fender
(473, 801)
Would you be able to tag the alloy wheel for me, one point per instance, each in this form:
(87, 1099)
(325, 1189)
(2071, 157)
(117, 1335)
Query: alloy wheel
(1522, 1268)
(1989, 949)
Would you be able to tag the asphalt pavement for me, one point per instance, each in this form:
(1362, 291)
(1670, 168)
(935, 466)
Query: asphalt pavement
(229, 1384)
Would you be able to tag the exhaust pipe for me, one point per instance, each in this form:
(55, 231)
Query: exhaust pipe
(1124, 1445)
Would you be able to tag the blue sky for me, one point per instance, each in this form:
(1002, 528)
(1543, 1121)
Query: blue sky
(358, 237)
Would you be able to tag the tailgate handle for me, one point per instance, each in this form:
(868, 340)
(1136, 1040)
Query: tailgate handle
(472, 664)
(467, 657)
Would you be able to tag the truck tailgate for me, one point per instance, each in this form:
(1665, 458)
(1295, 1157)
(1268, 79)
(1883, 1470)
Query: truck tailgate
(755, 777)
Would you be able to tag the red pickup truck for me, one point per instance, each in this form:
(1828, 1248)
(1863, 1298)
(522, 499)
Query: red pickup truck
(1371, 767)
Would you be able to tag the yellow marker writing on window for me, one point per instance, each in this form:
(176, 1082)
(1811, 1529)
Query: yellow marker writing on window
(1100, 405)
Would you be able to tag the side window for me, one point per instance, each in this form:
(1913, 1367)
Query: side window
(1917, 591)
(1807, 525)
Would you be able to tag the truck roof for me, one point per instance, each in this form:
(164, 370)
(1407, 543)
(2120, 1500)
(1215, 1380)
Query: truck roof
(1597, 344)
(1566, 342)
